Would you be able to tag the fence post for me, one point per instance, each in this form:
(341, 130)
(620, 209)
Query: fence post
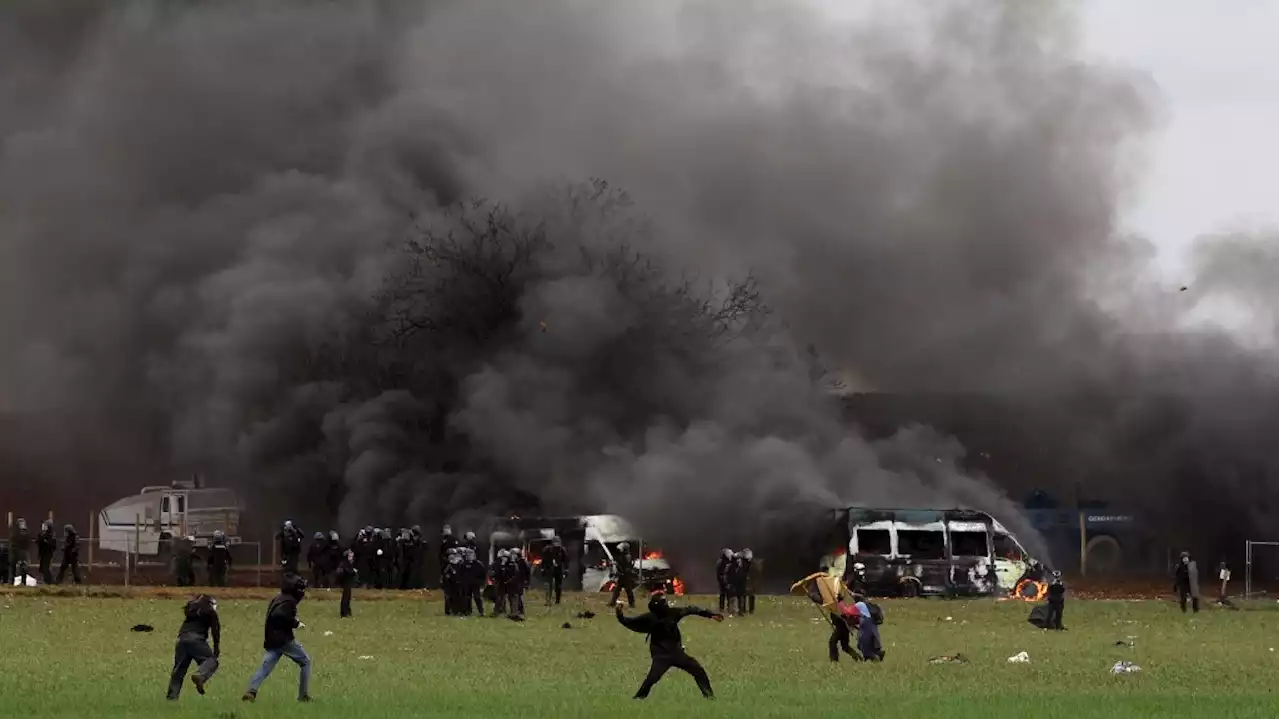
(258, 562)
(1084, 548)
(88, 570)
(1248, 568)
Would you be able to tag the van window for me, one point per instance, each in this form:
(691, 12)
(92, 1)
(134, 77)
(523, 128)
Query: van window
(968, 544)
(164, 504)
(182, 504)
(922, 543)
(1006, 548)
(874, 541)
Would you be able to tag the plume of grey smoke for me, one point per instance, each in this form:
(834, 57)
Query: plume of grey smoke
(193, 199)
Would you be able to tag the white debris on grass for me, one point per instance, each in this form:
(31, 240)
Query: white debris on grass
(1020, 658)
(1125, 668)
(328, 634)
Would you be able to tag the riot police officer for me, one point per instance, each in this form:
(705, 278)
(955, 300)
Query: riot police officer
(184, 561)
(20, 551)
(290, 538)
(316, 560)
(219, 561)
(46, 545)
(70, 555)
(555, 561)
(624, 572)
(723, 564)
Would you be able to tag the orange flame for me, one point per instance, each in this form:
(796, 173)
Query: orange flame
(653, 555)
(1030, 590)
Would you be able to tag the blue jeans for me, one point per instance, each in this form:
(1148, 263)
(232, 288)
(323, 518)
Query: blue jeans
(294, 651)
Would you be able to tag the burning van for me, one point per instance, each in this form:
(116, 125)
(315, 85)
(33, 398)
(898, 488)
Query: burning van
(919, 552)
(592, 545)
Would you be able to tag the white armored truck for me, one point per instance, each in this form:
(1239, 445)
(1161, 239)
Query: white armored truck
(146, 522)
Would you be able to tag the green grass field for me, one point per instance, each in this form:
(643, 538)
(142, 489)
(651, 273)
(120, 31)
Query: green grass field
(77, 658)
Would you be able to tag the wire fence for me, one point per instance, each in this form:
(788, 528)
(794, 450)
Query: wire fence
(101, 566)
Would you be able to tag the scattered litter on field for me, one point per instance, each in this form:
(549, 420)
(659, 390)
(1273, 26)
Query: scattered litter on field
(328, 634)
(566, 625)
(586, 615)
(1020, 658)
(947, 619)
(950, 659)
(364, 656)
(142, 628)
(1126, 642)
(1125, 668)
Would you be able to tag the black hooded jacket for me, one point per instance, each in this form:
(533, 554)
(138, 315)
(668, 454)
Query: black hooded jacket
(662, 624)
(282, 619)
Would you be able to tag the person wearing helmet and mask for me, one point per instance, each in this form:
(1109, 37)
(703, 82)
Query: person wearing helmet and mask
(279, 641)
(46, 545)
(666, 648)
(290, 538)
(1186, 582)
(447, 542)
(498, 574)
(200, 619)
(451, 583)
(739, 574)
(418, 576)
(750, 578)
(555, 561)
(316, 560)
(70, 555)
(624, 576)
(219, 561)
(723, 565)
(184, 557)
(1057, 601)
(475, 573)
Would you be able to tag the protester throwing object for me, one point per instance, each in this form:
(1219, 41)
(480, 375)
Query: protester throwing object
(666, 648)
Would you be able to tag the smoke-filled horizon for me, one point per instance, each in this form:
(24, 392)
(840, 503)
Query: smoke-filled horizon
(192, 199)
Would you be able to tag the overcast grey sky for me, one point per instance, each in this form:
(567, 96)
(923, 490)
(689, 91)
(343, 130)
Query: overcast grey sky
(1213, 164)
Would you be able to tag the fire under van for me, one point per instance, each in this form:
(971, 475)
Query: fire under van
(592, 545)
(929, 552)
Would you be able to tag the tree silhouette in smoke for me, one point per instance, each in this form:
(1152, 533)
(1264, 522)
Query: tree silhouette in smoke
(477, 282)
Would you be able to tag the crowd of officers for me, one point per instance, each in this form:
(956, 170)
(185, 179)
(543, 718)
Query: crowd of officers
(46, 544)
(736, 574)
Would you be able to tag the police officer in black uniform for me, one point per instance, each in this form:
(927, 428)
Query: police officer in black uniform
(316, 560)
(219, 561)
(739, 573)
(70, 555)
(200, 619)
(447, 542)
(1057, 601)
(723, 565)
(290, 547)
(46, 545)
(20, 551)
(451, 582)
(555, 562)
(624, 570)
(407, 553)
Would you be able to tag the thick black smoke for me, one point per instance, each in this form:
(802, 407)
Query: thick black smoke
(196, 205)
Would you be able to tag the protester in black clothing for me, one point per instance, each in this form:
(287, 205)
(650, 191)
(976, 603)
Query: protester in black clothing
(200, 619)
(278, 639)
(219, 561)
(555, 561)
(1057, 601)
(345, 576)
(70, 555)
(666, 650)
(46, 545)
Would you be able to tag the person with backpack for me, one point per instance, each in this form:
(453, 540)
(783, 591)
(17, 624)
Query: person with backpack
(870, 617)
(200, 619)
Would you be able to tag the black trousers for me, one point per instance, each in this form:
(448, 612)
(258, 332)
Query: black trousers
(218, 575)
(1183, 595)
(46, 568)
(69, 560)
(190, 648)
(631, 593)
(1055, 615)
(555, 586)
(662, 662)
(724, 597)
(344, 610)
(740, 598)
(477, 597)
(839, 638)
